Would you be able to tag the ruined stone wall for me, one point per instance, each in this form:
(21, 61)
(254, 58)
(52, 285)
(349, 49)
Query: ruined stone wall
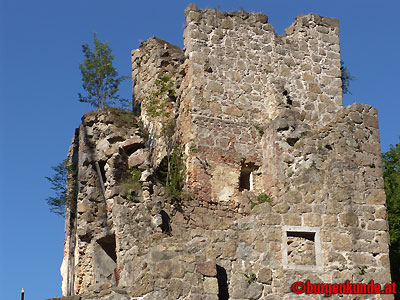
(245, 71)
(330, 185)
(105, 146)
(240, 75)
(285, 184)
(154, 59)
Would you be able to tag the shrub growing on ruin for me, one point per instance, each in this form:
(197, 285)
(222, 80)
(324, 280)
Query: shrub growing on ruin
(58, 183)
(391, 176)
(346, 78)
(132, 185)
(100, 79)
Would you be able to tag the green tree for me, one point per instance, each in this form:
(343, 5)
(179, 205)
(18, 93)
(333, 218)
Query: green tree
(59, 185)
(346, 78)
(391, 176)
(100, 78)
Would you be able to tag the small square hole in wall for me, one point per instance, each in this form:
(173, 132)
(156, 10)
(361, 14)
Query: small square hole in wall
(301, 248)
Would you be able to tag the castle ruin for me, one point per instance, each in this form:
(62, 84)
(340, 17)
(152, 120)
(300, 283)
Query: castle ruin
(242, 175)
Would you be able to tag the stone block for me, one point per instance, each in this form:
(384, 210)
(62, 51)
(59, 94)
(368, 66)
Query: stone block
(371, 121)
(314, 88)
(293, 220)
(273, 219)
(229, 248)
(378, 225)
(381, 213)
(281, 207)
(341, 241)
(311, 219)
(262, 18)
(234, 111)
(242, 289)
(376, 196)
(330, 221)
(226, 23)
(193, 16)
(348, 219)
(138, 158)
(143, 286)
(210, 285)
(265, 276)
(216, 87)
(207, 268)
(355, 117)
(81, 207)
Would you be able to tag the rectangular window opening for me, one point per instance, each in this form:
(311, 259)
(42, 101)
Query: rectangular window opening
(246, 177)
(301, 248)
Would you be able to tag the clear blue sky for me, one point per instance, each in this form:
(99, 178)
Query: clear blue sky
(40, 51)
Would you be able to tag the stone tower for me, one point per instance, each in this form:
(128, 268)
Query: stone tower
(278, 182)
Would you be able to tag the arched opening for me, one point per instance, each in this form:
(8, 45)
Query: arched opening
(223, 293)
(244, 180)
(246, 177)
(165, 225)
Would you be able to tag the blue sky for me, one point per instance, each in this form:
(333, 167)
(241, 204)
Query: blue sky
(40, 51)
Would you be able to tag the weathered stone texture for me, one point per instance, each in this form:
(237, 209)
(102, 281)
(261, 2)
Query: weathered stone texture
(283, 183)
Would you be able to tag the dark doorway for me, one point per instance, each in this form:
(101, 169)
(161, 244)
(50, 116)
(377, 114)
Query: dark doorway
(245, 178)
(165, 225)
(223, 293)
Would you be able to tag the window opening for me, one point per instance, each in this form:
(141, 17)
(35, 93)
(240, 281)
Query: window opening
(301, 248)
(246, 177)
(165, 225)
(108, 244)
(244, 183)
(223, 293)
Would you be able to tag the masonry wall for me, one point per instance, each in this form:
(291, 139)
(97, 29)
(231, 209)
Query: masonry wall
(240, 75)
(285, 184)
(156, 58)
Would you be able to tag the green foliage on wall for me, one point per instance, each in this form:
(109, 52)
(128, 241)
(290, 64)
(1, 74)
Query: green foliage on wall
(58, 183)
(157, 102)
(171, 174)
(261, 198)
(346, 78)
(250, 277)
(132, 185)
(391, 176)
